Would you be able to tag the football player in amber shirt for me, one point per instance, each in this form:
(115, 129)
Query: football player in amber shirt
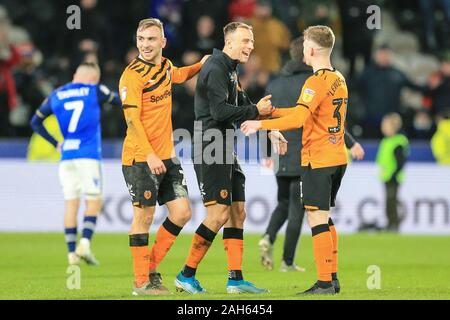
(151, 171)
(321, 110)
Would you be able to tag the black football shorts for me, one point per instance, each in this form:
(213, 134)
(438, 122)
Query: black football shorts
(320, 186)
(146, 188)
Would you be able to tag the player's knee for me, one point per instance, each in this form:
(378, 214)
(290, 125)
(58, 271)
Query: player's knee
(144, 220)
(222, 218)
(94, 206)
(240, 216)
(312, 220)
(184, 216)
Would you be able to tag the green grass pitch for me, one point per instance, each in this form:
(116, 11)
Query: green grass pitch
(33, 266)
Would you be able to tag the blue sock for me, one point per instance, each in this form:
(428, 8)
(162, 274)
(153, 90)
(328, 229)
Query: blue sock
(71, 238)
(89, 226)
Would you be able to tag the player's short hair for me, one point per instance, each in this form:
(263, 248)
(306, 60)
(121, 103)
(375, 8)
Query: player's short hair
(91, 65)
(321, 35)
(150, 22)
(296, 49)
(233, 26)
(395, 119)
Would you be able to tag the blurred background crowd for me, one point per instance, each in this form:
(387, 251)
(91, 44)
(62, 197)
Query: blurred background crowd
(403, 67)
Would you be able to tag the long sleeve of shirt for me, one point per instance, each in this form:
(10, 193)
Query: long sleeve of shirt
(180, 75)
(282, 112)
(37, 122)
(349, 140)
(294, 120)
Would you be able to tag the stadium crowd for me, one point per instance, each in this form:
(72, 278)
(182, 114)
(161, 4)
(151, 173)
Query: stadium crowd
(411, 51)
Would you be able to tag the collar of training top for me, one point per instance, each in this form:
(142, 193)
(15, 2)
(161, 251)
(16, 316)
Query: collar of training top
(232, 64)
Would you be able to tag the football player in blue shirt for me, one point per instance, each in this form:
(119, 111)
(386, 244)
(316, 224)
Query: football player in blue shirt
(76, 106)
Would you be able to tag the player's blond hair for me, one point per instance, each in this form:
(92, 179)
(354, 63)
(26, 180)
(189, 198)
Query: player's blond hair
(321, 35)
(233, 26)
(150, 22)
(395, 120)
(91, 66)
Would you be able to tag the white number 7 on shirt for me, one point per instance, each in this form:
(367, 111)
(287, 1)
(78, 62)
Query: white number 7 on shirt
(77, 107)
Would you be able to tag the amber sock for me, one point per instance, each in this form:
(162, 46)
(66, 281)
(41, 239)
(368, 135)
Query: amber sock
(334, 236)
(201, 242)
(141, 257)
(233, 242)
(323, 251)
(165, 237)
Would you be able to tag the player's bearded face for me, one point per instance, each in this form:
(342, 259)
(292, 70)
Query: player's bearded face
(242, 42)
(150, 43)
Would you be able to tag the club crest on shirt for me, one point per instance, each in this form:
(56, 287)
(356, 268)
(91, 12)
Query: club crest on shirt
(147, 194)
(308, 95)
(233, 77)
(332, 139)
(224, 193)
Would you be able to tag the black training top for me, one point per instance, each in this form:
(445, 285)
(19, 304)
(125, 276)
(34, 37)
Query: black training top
(219, 100)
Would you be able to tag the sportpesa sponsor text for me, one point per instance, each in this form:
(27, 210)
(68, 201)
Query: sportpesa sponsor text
(165, 95)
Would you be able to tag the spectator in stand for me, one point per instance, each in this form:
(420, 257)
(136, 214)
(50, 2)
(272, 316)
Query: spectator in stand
(29, 84)
(440, 143)
(288, 11)
(357, 38)
(9, 57)
(254, 80)
(440, 87)
(205, 40)
(192, 10)
(94, 36)
(272, 37)
(380, 87)
(241, 10)
(183, 116)
(428, 8)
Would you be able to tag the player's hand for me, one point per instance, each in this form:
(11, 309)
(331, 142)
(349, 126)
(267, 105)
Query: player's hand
(267, 163)
(357, 151)
(205, 58)
(59, 147)
(155, 164)
(250, 126)
(279, 143)
(265, 105)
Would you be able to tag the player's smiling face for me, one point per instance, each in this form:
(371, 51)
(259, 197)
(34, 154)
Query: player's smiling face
(241, 44)
(150, 42)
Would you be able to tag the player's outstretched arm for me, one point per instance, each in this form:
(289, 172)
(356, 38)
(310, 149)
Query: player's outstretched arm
(180, 75)
(282, 112)
(294, 120)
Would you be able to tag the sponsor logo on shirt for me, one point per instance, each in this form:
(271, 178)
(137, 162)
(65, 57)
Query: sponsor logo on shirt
(165, 95)
(308, 95)
(71, 144)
